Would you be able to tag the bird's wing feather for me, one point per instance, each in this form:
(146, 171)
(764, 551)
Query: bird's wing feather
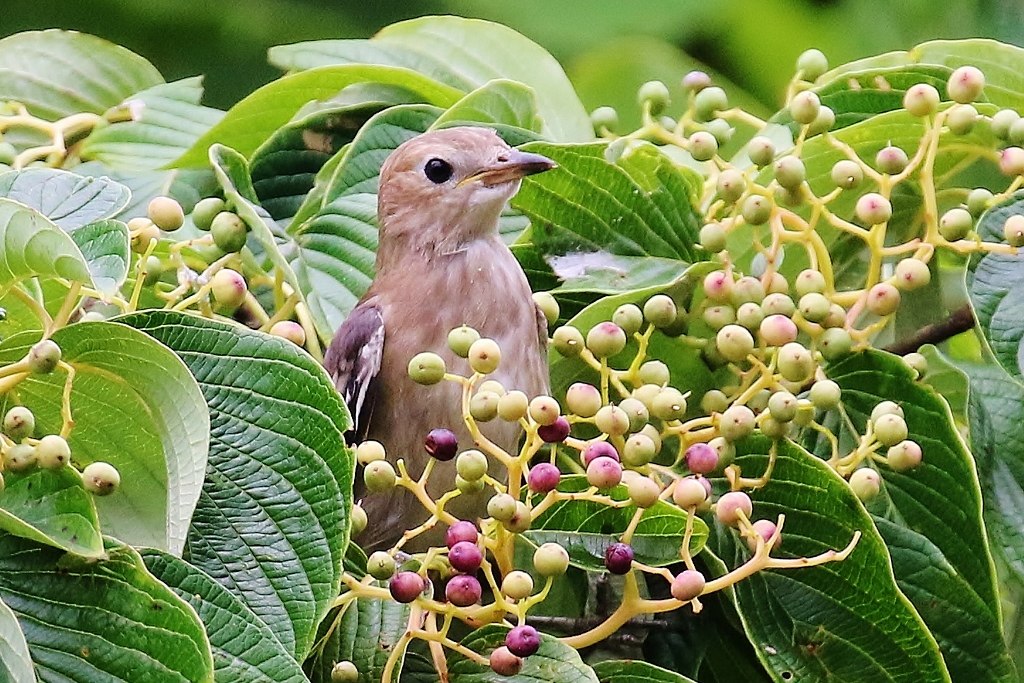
(353, 361)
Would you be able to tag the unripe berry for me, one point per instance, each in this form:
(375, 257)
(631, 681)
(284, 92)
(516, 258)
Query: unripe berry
(886, 408)
(749, 315)
(344, 672)
(917, 362)
(804, 107)
(730, 505)
(746, 290)
(379, 476)
(484, 356)
(228, 288)
(690, 492)
(405, 587)
(460, 339)
(598, 449)
(618, 558)
(517, 585)
(604, 118)
(736, 422)
(165, 213)
(612, 420)
(229, 232)
(834, 343)
(687, 585)
(655, 95)
(43, 357)
(1011, 161)
(718, 286)
(790, 171)
(504, 663)
(639, 450)
(904, 456)
(19, 422)
(1013, 230)
(53, 452)
(550, 559)
(629, 317)
(836, 317)
(20, 457)
(756, 209)
(811, 64)
(782, 405)
(426, 368)
(358, 521)
(520, 520)
(606, 339)
(891, 160)
(567, 340)
(1003, 121)
(847, 174)
(547, 305)
(912, 273)
(660, 310)
(555, 432)
(695, 81)
(100, 478)
(814, 306)
(637, 413)
(731, 185)
(961, 119)
(713, 237)
(669, 404)
(461, 531)
(955, 224)
(795, 362)
(865, 483)
(825, 394)
(883, 299)
(721, 129)
(604, 473)
(765, 528)
(965, 84)
(921, 99)
(703, 146)
(808, 281)
(465, 557)
(583, 399)
(776, 330)
(543, 477)
(734, 342)
(513, 406)
(143, 232)
(471, 465)
(544, 410)
(643, 491)
(501, 507)
(654, 372)
(380, 565)
(710, 101)
(726, 453)
(701, 458)
(290, 331)
(523, 641)
(205, 211)
(873, 209)
(890, 429)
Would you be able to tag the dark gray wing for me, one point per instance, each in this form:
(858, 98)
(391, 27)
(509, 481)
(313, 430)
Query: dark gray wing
(353, 361)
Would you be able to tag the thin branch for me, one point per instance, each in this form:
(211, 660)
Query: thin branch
(961, 320)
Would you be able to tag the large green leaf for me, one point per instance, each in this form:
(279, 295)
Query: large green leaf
(68, 199)
(554, 661)
(105, 246)
(51, 507)
(464, 53)
(499, 101)
(33, 246)
(586, 529)
(253, 120)
(109, 620)
(168, 119)
(136, 406)
(633, 671)
(244, 648)
(841, 621)
(272, 522)
(59, 73)
(15, 660)
(367, 634)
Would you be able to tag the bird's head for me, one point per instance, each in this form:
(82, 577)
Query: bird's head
(448, 187)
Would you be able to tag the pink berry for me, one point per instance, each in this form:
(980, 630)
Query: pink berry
(604, 473)
(718, 286)
(765, 528)
(730, 505)
(543, 477)
(599, 449)
(465, 557)
(406, 586)
(554, 432)
(523, 641)
(463, 590)
(459, 532)
(687, 585)
(618, 558)
(777, 330)
(701, 458)
(504, 663)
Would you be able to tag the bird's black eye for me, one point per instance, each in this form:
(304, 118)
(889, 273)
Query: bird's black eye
(437, 170)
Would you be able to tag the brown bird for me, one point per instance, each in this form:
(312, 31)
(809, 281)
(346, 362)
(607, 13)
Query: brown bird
(440, 264)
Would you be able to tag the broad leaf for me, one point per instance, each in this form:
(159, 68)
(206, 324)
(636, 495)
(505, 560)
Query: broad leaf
(108, 620)
(105, 246)
(15, 660)
(554, 661)
(633, 671)
(59, 73)
(272, 522)
(498, 101)
(68, 199)
(366, 635)
(33, 246)
(244, 648)
(51, 507)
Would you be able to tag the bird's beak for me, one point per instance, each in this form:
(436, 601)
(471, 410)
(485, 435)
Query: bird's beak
(514, 166)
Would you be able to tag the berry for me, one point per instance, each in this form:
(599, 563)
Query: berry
(100, 478)
(547, 305)
(465, 557)
(504, 663)
(379, 476)
(756, 209)
(1011, 161)
(205, 211)
(961, 119)
(836, 317)
(654, 372)
(19, 422)
(359, 521)
(344, 672)
(687, 585)
(804, 107)
(517, 585)
(484, 356)
(726, 452)
(749, 315)
(461, 338)
(865, 483)
(1002, 121)
(669, 404)
(543, 477)
(777, 330)
(165, 213)
(690, 492)
(890, 429)
(921, 99)
(427, 368)
(523, 641)
(795, 362)
(567, 340)
(483, 406)
(471, 465)
(873, 208)
(730, 505)
(718, 286)
(468, 486)
(660, 310)
(289, 330)
(765, 528)
(734, 342)
(904, 456)
(736, 422)
(53, 452)
(441, 444)
(643, 491)
(790, 172)
(501, 507)
(891, 160)
(229, 232)
(701, 458)
(513, 406)
(917, 362)
(712, 237)
(955, 224)
(912, 273)
(618, 558)
(695, 81)
(746, 290)
(380, 565)
(782, 405)
(847, 174)
(731, 185)
(612, 420)
(639, 450)
(710, 101)
(772, 428)
(604, 118)
(520, 520)
(550, 559)
(604, 473)
(812, 64)
(808, 281)
(406, 586)
(655, 95)
(43, 357)
(583, 399)
(555, 432)
(886, 408)
(703, 146)
(20, 457)
(1013, 230)
(629, 317)
(461, 531)
(606, 339)
(883, 299)
(228, 288)
(544, 410)
(143, 232)
(636, 412)
(825, 394)
(814, 306)
(835, 343)
(965, 84)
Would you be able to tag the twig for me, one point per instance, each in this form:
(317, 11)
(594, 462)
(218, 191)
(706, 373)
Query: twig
(961, 320)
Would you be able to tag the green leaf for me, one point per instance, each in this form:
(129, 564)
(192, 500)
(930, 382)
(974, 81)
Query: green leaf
(368, 632)
(632, 671)
(51, 507)
(272, 523)
(841, 621)
(187, 186)
(109, 620)
(33, 246)
(252, 121)
(105, 246)
(15, 661)
(554, 661)
(168, 119)
(464, 53)
(68, 199)
(586, 528)
(136, 406)
(244, 648)
(59, 73)
(498, 101)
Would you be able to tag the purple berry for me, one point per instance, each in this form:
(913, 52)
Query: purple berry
(543, 477)
(554, 432)
(463, 590)
(465, 557)
(459, 532)
(523, 641)
(599, 449)
(406, 586)
(441, 444)
(618, 558)
(701, 458)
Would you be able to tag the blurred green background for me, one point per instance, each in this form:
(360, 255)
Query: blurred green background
(608, 47)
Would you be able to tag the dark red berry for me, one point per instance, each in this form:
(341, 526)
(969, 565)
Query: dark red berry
(599, 449)
(441, 444)
(701, 458)
(523, 641)
(406, 586)
(554, 432)
(618, 558)
(543, 477)
(465, 557)
(460, 531)
(463, 590)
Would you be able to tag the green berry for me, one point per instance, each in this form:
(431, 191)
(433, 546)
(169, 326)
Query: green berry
(344, 672)
(721, 129)
(606, 339)
(713, 237)
(583, 399)
(961, 119)
(461, 338)
(873, 208)
(824, 121)
(847, 174)
(890, 429)
(637, 413)
(471, 465)
(736, 422)
(911, 274)
(795, 362)
(43, 357)
(790, 171)
(772, 428)
(731, 185)
(20, 457)
(883, 299)
(655, 95)
(978, 201)
(836, 317)
(370, 451)
(8, 153)
(152, 269)
(604, 118)
(804, 107)
(825, 394)
(921, 99)
(865, 483)
(654, 372)
(643, 492)
(228, 288)
(100, 478)
(812, 64)
(547, 305)
(761, 150)
(808, 281)
(229, 231)
(379, 476)
(965, 84)
(359, 521)
(517, 585)
(629, 317)
(426, 368)
(886, 408)
(955, 224)
(143, 232)
(904, 456)
(782, 405)
(165, 213)
(290, 331)
(544, 410)
(520, 520)
(483, 406)
(1002, 121)
(381, 566)
(660, 310)
(467, 487)
(718, 317)
(778, 303)
(567, 340)
(205, 211)
(612, 420)
(669, 404)
(710, 101)
(19, 422)
(756, 209)
(1013, 230)
(749, 315)
(639, 450)
(814, 306)
(734, 342)
(550, 559)
(714, 401)
(703, 146)
(53, 452)
(891, 160)
(484, 356)
(917, 362)
(512, 406)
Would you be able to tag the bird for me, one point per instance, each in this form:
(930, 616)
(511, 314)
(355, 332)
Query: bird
(440, 264)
